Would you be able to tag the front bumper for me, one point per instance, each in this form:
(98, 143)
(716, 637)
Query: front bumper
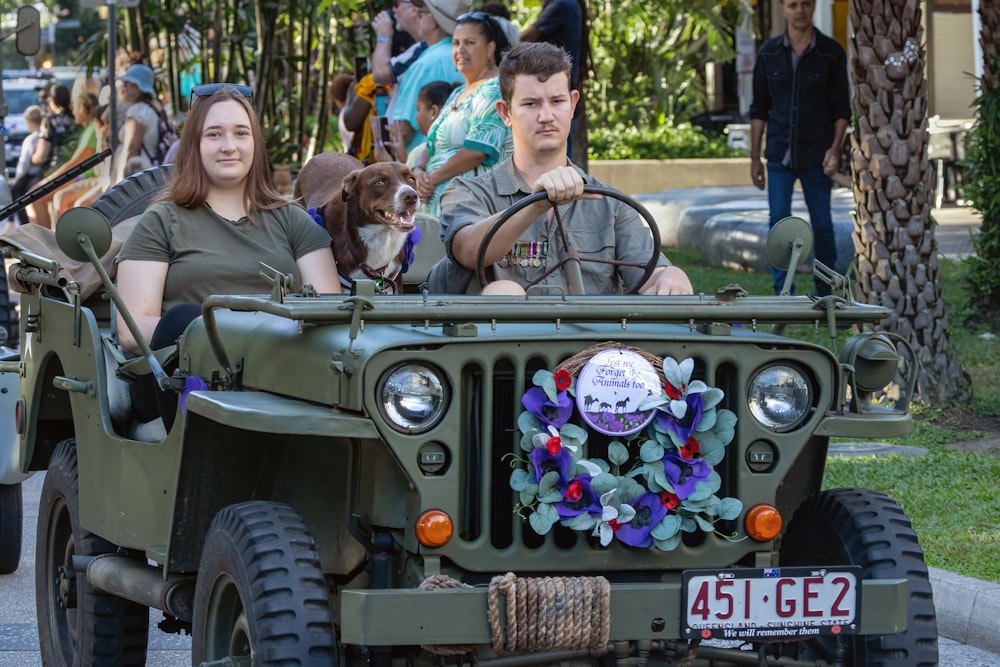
(638, 611)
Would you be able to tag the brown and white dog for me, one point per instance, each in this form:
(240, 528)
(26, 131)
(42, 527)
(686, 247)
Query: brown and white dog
(368, 211)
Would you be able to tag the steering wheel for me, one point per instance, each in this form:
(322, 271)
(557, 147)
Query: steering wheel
(569, 255)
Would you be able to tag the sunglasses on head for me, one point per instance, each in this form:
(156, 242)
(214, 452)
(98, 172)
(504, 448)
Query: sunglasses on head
(209, 89)
(478, 17)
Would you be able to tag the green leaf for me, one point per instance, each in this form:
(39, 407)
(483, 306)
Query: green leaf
(617, 453)
(668, 544)
(543, 518)
(519, 479)
(581, 522)
(603, 483)
(725, 426)
(712, 397)
(549, 483)
(549, 387)
(707, 421)
(651, 451)
(688, 525)
(730, 509)
(702, 491)
(669, 526)
(575, 432)
(529, 495)
(706, 526)
(652, 401)
(629, 489)
(528, 424)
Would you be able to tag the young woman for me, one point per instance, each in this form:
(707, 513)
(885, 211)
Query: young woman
(218, 218)
(468, 136)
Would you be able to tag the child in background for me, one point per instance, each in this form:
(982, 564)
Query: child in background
(26, 174)
(430, 99)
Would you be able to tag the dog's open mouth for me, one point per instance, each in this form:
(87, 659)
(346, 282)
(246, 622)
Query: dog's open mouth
(401, 220)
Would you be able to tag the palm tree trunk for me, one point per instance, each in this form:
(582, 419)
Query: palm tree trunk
(893, 190)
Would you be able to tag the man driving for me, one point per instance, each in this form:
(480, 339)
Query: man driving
(537, 105)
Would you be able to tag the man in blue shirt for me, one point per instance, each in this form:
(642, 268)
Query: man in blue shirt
(801, 94)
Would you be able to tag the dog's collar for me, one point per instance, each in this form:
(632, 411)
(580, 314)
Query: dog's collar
(316, 213)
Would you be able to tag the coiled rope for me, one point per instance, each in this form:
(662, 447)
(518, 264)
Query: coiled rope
(536, 615)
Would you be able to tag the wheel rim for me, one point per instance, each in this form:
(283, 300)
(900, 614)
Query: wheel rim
(227, 628)
(60, 553)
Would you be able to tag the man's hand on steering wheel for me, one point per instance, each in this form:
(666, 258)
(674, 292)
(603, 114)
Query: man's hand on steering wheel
(667, 280)
(562, 185)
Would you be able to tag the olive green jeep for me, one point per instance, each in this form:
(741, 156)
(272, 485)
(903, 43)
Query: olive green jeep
(423, 479)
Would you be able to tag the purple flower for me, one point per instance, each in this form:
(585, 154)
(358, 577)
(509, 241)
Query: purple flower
(684, 474)
(683, 427)
(562, 462)
(579, 498)
(552, 414)
(649, 511)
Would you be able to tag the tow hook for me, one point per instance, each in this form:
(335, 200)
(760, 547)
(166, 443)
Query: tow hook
(67, 587)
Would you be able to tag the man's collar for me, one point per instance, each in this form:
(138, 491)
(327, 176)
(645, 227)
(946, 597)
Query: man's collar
(509, 181)
(812, 41)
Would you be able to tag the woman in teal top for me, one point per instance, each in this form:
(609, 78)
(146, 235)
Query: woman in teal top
(468, 136)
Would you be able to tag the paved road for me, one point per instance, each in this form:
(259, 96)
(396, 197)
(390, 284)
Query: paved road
(19, 632)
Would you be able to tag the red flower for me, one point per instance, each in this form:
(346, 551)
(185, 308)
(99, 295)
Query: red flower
(672, 392)
(689, 450)
(573, 492)
(614, 525)
(553, 445)
(563, 379)
(669, 500)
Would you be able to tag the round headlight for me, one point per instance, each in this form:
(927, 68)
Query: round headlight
(412, 397)
(779, 397)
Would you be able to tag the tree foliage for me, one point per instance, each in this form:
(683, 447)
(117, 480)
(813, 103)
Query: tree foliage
(983, 156)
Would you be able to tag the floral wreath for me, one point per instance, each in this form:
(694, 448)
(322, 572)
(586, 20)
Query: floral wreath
(668, 489)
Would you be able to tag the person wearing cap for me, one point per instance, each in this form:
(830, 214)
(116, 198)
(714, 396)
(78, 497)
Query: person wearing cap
(438, 19)
(139, 134)
(537, 105)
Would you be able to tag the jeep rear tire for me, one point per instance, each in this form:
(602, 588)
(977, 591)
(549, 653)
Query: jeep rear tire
(260, 591)
(131, 196)
(11, 518)
(867, 529)
(76, 624)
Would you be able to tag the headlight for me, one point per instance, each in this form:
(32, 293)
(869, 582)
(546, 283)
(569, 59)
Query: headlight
(779, 397)
(412, 397)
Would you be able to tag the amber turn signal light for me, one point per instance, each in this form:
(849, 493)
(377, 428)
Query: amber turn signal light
(763, 522)
(434, 528)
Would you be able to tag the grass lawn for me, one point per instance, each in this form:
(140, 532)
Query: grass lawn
(952, 497)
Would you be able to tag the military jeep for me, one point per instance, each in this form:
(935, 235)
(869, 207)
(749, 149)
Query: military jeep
(424, 479)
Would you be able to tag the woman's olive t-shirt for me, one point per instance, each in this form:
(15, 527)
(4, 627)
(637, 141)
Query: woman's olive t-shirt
(208, 254)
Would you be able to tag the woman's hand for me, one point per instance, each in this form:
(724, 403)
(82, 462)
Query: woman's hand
(425, 186)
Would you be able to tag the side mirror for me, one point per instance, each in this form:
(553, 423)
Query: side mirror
(788, 244)
(29, 31)
(83, 221)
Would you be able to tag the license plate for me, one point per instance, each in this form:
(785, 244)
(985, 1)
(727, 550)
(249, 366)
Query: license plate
(761, 604)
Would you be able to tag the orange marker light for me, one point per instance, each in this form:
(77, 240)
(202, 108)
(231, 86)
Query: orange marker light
(434, 528)
(763, 523)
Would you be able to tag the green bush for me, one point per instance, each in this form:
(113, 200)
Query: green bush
(665, 142)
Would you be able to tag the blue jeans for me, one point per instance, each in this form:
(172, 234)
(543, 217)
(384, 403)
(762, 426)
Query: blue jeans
(816, 188)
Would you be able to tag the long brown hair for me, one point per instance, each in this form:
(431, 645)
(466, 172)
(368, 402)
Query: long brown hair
(188, 186)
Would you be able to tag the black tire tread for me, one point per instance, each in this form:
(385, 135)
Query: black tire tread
(874, 534)
(112, 632)
(131, 196)
(11, 524)
(289, 604)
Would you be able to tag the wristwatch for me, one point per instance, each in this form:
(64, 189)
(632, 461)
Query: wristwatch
(383, 38)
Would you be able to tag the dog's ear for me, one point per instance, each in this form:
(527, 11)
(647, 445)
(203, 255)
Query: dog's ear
(350, 181)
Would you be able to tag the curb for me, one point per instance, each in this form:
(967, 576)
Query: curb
(966, 608)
